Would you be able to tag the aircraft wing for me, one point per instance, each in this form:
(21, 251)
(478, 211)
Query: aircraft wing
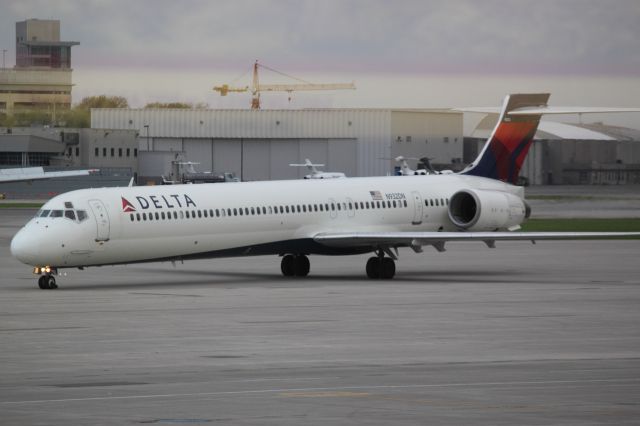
(437, 239)
(36, 173)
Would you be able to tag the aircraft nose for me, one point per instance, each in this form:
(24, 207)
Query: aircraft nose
(24, 247)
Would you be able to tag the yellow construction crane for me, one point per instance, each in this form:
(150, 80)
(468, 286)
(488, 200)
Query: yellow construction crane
(256, 87)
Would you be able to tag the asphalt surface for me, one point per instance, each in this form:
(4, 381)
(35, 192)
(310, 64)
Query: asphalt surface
(523, 334)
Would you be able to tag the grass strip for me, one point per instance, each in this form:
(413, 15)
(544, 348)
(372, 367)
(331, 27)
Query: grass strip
(582, 225)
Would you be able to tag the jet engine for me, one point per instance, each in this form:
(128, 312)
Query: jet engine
(487, 210)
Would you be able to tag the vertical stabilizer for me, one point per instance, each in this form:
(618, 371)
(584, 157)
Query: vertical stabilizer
(505, 150)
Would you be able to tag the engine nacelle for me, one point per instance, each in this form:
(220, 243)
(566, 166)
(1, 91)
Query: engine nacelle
(487, 210)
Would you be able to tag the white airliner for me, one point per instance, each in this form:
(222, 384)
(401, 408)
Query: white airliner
(295, 218)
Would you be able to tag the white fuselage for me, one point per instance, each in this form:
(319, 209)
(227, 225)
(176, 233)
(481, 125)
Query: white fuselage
(149, 223)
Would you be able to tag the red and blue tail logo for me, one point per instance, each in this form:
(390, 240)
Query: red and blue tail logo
(504, 153)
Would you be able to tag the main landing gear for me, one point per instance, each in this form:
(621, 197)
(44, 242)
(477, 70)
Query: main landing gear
(295, 265)
(380, 267)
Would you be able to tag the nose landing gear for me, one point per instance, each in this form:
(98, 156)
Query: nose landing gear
(47, 281)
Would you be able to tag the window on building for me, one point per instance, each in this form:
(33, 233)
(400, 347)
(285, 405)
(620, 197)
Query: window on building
(119, 152)
(408, 138)
(113, 152)
(104, 152)
(128, 152)
(97, 152)
(77, 152)
(135, 152)
(69, 152)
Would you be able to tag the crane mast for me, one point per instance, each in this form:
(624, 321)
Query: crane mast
(256, 87)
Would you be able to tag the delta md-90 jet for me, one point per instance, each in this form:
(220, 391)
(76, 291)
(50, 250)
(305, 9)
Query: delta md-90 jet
(297, 218)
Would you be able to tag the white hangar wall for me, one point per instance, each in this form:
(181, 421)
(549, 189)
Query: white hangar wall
(261, 144)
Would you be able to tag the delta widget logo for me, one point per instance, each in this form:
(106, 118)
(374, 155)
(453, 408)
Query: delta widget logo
(127, 206)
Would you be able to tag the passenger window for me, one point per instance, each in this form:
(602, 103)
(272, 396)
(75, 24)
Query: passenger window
(378, 204)
(200, 213)
(264, 210)
(286, 209)
(339, 208)
(193, 214)
(205, 213)
(144, 216)
(162, 215)
(394, 204)
(175, 215)
(138, 218)
(253, 211)
(235, 212)
(304, 208)
(157, 216)
(246, 211)
(186, 214)
(131, 216)
(405, 203)
(321, 209)
(69, 214)
(181, 214)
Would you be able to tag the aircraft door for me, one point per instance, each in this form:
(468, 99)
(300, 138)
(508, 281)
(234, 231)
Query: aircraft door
(102, 219)
(417, 208)
(350, 207)
(333, 208)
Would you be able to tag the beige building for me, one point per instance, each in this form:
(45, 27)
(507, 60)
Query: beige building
(41, 79)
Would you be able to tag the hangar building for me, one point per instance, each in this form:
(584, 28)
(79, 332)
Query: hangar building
(260, 144)
(571, 153)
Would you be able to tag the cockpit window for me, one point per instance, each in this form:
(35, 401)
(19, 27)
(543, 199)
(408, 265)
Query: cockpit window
(82, 215)
(44, 213)
(70, 214)
(56, 213)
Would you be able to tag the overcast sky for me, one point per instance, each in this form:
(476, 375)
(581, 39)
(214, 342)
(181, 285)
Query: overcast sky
(400, 53)
(379, 36)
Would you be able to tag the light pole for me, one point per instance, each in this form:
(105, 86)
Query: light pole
(146, 126)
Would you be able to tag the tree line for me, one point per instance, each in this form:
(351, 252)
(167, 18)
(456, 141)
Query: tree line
(79, 115)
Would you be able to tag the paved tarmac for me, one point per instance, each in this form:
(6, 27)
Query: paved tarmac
(520, 335)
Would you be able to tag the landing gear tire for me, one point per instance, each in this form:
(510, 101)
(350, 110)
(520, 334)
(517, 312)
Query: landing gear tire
(381, 268)
(287, 265)
(295, 266)
(373, 268)
(47, 282)
(301, 266)
(388, 269)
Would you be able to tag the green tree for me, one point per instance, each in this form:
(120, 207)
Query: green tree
(103, 101)
(176, 105)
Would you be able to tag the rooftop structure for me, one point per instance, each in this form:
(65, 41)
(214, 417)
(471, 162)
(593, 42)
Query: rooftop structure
(38, 45)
